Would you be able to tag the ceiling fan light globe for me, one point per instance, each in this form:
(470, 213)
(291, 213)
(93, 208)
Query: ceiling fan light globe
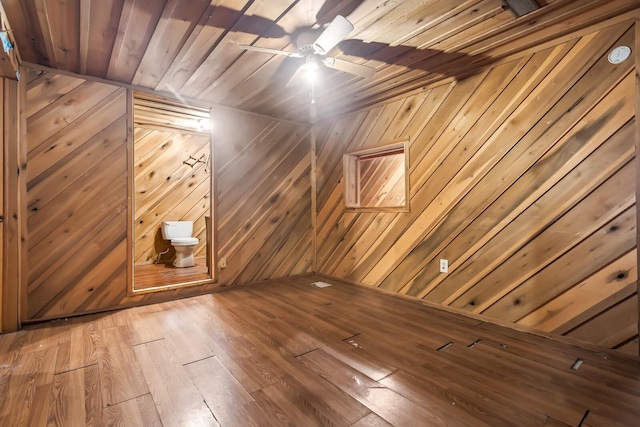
(311, 76)
(310, 70)
(310, 66)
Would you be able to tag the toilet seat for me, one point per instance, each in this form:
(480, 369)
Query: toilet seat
(184, 241)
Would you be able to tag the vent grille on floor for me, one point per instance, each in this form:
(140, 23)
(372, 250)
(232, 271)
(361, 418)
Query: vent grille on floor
(522, 7)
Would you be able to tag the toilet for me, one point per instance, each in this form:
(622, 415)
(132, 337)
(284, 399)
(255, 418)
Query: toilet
(179, 232)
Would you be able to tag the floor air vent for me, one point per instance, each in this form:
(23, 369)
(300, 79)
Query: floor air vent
(321, 284)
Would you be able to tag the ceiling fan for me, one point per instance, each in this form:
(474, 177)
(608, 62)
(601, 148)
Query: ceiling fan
(313, 51)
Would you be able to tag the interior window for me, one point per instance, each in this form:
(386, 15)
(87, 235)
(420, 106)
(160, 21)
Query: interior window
(377, 179)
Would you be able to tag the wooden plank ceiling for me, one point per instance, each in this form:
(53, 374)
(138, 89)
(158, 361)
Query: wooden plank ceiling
(191, 49)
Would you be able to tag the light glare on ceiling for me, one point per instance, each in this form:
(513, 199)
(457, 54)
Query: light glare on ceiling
(310, 71)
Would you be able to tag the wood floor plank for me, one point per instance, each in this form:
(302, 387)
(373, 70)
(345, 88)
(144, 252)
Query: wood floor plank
(471, 400)
(398, 410)
(224, 395)
(632, 347)
(560, 359)
(229, 358)
(530, 388)
(282, 411)
(597, 395)
(144, 327)
(289, 374)
(284, 340)
(120, 375)
(76, 398)
(135, 412)
(41, 337)
(359, 359)
(176, 398)
(232, 353)
(10, 345)
(77, 347)
(27, 393)
(301, 318)
(490, 379)
(185, 345)
(389, 405)
(555, 423)
(607, 360)
(371, 420)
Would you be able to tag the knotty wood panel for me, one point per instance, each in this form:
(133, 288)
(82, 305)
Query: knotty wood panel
(262, 171)
(521, 176)
(77, 196)
(77, 191)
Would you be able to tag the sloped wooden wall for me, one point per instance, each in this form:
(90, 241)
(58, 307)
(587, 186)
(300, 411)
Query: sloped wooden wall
(77, 193)
(263, 172)
(77, 198)
(523, 177)
(166, 189)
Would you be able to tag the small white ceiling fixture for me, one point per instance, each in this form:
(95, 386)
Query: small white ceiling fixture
(619, 54)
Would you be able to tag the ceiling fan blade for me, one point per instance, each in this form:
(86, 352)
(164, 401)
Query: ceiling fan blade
(339, 28)
(271, 51)
(297, 78)
(349, 67)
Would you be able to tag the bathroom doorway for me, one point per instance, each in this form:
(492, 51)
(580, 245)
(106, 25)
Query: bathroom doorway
(171, 184)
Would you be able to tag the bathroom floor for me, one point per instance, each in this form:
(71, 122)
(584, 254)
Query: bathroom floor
(151, 275)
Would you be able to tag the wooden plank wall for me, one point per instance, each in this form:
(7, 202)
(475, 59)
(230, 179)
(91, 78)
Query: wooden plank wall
(521, 176)
(77, 198)
(77, 193)
(167, 189)
(263, 171)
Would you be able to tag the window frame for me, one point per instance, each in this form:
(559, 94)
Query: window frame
(352, 179)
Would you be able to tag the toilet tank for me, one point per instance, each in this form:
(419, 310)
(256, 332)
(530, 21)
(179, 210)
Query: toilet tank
(176, 229)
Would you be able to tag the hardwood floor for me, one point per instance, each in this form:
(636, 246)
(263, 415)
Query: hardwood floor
(285, 352)
(152, 275)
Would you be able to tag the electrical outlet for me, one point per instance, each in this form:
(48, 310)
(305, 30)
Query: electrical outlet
(222, 263)
(444, 266)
